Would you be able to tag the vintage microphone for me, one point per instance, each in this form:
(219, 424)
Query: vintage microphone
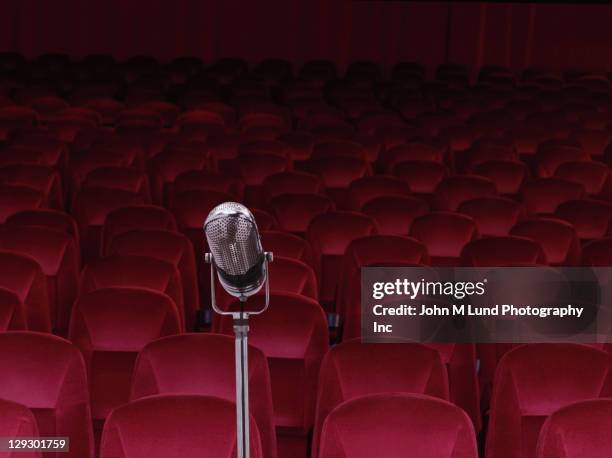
(242, 267)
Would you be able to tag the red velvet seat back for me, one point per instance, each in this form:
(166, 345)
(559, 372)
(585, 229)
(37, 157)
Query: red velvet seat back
(47, 374)
(17, 421)
(12, 314)
(534, 380)
(110, 326)
(14, 199)
(352, 369)
(557, 238)
(394, 214)
(191, 427)
(390, 425)
(204, 364)
(502, 251)
(494, 216)
(580, 429)
(294, 212)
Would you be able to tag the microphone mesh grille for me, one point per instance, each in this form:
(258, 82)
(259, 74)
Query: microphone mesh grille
(233, 238)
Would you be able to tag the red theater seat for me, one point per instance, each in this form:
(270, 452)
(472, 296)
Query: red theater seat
(265, 220)
(593, 141)
(291, 183)
(598, 253)
(131, 271)
(367, 251)
(494, 216)
(14, 199)
(110, 326)
(544, 195)
(453, 191)
(591, 218)
(548, 160)
(168, 246)
(203, 364)
(288, 246)
(58, 258)
(294, 212)
(91, 206)
(50, 219)
(411, 152)
(394, 214)
(365, 189)
(557, 238)
(592, 175)
(338, 172)
(339, 149)
(579, 429)
(508, 176)
(444, 234)
(135, 217)
(422, 176)
(123, 178)
(502, 251)
(23, 276)
(46, 374)
(533, 381)
(18, 422)
(254, 169)
(41, 178)
(395, 423)
(82, 165)
(192, 427)
(12, 314)
(347, 373)
(203, 180)
(329, 234)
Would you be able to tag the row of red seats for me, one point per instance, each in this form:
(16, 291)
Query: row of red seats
(396, 391)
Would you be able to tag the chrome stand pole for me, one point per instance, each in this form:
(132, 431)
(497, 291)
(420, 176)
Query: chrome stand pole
(241, 330)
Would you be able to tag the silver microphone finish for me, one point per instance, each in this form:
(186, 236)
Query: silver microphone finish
(235, 245)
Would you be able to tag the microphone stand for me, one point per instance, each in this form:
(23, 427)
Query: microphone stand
(241, 331)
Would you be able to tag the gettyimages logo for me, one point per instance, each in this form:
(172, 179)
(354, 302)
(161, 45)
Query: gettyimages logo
(412, 290)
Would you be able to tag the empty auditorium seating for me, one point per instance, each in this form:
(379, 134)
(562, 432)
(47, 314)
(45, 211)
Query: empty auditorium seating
(594, 176)
(411, 152)
(12, 314)
(39, 177)
(192, 426)
(422, 176)
(132, 271)
(17, 421)
(110, 326)
(204, 364)
(57, 256)
(14, 199)
(206, 180)
(124, 178)
(287, 245)
(348, 368)
(590, 218)
(508, 176)
(47, 218)
(598, 253)
(444, 234)
(494, 216)
(581, 428)
(46, 374)
(453, 191)
(397, 422)
(544, 195)
(294, 211)
(557, 238)
(533, 381)
(329, 234)
(365, 189)
(502, 251)
(168, 246)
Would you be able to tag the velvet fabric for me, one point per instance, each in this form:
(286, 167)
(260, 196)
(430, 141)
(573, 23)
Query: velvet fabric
(110, 326)
(22, 275)
(12, 315)
(396, 425)
(577, 430)
(204, 364)
(175, 426)
(352, 369)
(17, 421)
(47, 374)
(502, 251)
(135, 272)
(444, 234)
(288, 246)
(295, 211)
(168, 246)
(494, 216)
(557, 238)
(544, 195)
(58, 258)
(394, 214)
(51, 219)
(534, 380)
(135, 217)
(14, 199)
(590, 217)
(329, 234)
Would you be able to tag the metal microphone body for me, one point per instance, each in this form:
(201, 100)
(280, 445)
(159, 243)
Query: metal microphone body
(242, 268)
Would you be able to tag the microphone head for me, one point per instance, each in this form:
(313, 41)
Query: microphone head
(233, 239)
